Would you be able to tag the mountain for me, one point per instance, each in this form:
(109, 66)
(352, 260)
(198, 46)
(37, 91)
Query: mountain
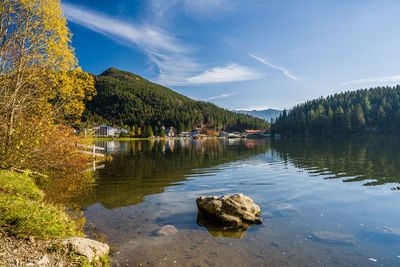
(266, 114)
(365, 111)
(126, 99)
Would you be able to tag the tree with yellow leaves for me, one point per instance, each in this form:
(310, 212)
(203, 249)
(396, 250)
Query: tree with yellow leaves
(40, 82)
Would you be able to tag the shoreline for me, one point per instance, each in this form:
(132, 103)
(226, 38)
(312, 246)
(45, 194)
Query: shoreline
(151, 138)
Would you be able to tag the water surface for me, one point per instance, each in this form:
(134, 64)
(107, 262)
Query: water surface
(324, 202)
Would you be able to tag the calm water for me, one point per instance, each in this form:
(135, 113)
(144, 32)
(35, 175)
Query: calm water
(311, 192)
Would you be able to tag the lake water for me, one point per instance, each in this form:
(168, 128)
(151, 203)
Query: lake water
(324, 202)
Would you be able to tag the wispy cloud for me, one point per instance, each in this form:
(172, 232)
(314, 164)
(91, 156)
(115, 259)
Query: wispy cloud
(387, 79)
(228, 73)
(219, 96)
(170, 56)
(164, 51)
(284, 71)
(141, 35)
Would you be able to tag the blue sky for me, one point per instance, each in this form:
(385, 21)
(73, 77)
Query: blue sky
(242, 54)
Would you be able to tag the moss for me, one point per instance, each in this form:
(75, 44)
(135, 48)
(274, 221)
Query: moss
(24, 213)
(105, 260)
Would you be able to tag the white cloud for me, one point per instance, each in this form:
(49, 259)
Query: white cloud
(164, 51)
(141, 35)
(284, 71)
(219, 96)
(228, 73)
(169, 55)
(387, 79)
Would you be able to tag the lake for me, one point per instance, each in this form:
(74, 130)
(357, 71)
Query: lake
(324, 202)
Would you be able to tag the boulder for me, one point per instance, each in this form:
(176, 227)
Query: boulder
(89, 248)
(236, 211)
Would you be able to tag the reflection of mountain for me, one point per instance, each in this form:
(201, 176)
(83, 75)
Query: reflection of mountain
(147, 167)
(361, 159)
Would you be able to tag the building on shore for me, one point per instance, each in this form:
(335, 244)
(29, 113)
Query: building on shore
(169, 132)
(106, 131)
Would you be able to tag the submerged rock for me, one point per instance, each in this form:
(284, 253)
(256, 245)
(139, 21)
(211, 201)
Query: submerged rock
(167, 230)
(285, 210)
(391, 230)
(333, 237)
(89, 248)
(237, 211)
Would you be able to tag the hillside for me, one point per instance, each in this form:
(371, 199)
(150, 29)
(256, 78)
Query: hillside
(366, 111)
(265, 114)
(126, 99)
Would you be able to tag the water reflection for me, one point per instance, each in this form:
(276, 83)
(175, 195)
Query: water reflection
(374, 161)
(142, 168)
(306, 222)
(216, 230)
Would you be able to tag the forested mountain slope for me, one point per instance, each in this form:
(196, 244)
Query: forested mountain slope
(126, 99)
(367, 111)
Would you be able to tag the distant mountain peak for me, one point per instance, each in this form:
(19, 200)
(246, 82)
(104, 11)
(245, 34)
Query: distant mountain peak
(266, 114)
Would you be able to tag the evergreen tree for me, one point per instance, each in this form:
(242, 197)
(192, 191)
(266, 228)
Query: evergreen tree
(376, 110)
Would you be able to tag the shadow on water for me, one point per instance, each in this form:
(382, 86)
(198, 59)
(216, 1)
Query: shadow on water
(372, 160)
(142, 168)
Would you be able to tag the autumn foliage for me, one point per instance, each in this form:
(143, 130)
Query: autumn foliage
(42, 89)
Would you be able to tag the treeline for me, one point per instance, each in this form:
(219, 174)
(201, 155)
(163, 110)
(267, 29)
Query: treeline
(125, 99)
(367, 111)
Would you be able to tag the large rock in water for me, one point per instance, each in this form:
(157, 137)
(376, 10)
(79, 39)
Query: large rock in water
(235, 210)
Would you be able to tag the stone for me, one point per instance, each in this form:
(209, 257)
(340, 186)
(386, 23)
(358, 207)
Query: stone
(167, 230)
(89, 248)
(237, 211)
(333, 237)
(44, 261)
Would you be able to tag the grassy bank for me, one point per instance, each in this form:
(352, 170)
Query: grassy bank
(24, 214)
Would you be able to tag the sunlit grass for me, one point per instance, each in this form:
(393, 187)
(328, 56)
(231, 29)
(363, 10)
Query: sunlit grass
(24, 214)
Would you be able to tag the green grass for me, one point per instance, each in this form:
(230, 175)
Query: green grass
(20, 185)
(23, 212)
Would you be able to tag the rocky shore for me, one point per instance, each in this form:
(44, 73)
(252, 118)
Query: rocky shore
(46, 253)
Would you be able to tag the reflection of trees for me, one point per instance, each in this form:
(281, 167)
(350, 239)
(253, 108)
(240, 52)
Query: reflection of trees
(63, 187)
(376, 159)
(147, 167)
